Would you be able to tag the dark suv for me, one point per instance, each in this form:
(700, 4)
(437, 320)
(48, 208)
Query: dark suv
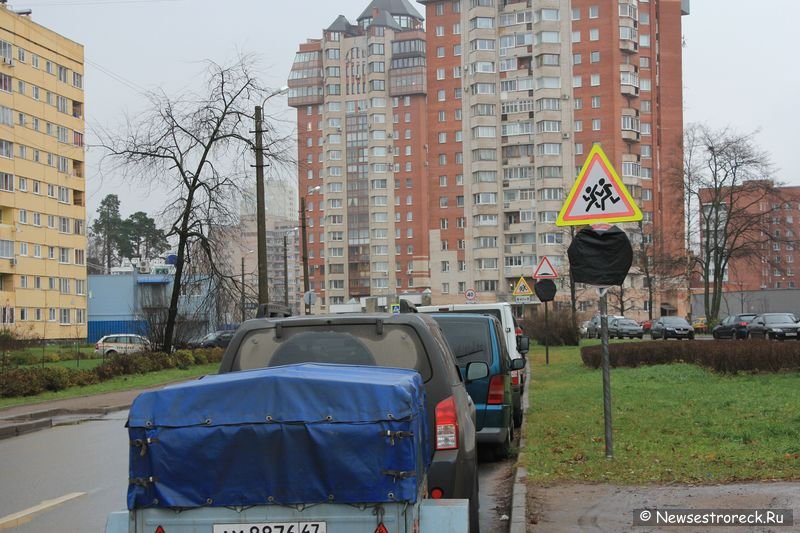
(480, 339)
(407, 340)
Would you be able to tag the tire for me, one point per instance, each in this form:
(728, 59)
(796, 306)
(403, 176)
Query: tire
(640, 336)
(652, 336)
(691, 336)
(503, 450)
(111, 353)
(715, 335)
(664, 334)
(518, 418)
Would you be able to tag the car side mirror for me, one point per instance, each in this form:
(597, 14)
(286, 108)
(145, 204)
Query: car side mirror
(477, 370)
(518, 363)
(523, 343)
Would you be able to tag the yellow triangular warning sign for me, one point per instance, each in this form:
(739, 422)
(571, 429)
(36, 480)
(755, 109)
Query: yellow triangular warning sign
(598, 195)
(522, 288)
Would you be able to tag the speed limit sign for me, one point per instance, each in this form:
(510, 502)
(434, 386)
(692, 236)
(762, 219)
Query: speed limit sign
(470, 294)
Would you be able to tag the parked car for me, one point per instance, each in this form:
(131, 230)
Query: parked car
(624, 327)
(405, 340)
(121, 343)
(215, 339)
(700, 324)
(671, 327)
(774, 326)
(479, 338)
(593, 329)
(516, 342)
(733, 326)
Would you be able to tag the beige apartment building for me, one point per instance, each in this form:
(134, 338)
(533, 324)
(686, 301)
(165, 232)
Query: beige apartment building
(468, 135)
(43, 287)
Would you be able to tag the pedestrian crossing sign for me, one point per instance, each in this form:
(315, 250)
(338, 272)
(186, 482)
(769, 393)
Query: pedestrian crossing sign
(522, 288)
(598, 195)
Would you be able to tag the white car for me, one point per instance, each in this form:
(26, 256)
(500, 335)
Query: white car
(121, 343)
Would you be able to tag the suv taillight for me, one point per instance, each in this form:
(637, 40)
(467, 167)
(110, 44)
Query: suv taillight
(515, 377)
(497, 390)
(518, 331)
(446, 425)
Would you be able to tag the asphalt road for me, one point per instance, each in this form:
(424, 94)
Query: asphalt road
(69, 477)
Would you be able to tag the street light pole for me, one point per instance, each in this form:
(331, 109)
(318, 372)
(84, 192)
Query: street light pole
(285, 273)
(243, 315)
(305, 253)
(261, 233)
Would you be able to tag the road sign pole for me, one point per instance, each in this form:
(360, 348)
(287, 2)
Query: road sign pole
(546, 338)
(606, 363)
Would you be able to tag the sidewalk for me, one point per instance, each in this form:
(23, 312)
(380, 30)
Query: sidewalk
(21, 419)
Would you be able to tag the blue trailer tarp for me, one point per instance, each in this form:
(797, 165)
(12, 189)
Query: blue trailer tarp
(295, 434)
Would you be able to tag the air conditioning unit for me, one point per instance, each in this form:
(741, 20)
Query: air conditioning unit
(13, 261)
(565, 96)
(8, 61)
(565, 135)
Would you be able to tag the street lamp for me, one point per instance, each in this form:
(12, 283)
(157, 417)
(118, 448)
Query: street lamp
(306, 296)
(263, 289)
(242, 280)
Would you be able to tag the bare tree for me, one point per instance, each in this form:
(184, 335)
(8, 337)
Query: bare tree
(729, 191)
(198, 146)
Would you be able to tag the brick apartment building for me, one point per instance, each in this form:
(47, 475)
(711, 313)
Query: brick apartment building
(443, 153)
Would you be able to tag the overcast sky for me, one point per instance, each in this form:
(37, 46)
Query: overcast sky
(738, 70)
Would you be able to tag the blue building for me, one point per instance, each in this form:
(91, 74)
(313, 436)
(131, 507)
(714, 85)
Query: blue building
(133, 299)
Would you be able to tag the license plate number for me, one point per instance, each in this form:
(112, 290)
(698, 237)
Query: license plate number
(272, 527)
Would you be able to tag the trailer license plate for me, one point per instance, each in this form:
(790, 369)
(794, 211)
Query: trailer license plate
(272, 527)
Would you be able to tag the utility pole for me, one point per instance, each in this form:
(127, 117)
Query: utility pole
(263, 288)
(305, 253)
(243, 311)
(285, 273)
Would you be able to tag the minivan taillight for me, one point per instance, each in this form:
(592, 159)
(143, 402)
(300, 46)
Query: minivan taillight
(446, 425)
(515, 377)
(497, 390)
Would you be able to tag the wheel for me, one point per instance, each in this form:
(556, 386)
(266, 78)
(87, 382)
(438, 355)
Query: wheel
(652, 336)
(664, 334)
(501, 451)
(111, 353)
(691, 336)
(641, 336)
(517, 418)
(715, 335)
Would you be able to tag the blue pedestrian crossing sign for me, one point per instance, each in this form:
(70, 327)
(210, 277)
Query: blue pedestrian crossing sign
(522, 288)
(395, 309)
(598, 195)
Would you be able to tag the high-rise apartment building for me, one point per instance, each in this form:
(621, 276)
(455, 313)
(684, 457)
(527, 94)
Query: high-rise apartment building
(482, 151)
(42, 182)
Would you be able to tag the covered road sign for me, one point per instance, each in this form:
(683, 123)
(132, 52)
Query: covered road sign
(598, 195)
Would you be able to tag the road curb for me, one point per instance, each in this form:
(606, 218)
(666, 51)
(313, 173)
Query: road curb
(33, 421)
(519, 495)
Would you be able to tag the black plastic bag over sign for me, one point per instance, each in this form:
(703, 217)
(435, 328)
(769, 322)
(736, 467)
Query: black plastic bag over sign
(600, 257)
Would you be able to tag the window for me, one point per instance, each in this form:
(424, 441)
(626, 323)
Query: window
(595, 80)
(594, 34)
(595, 102)
(594, 12)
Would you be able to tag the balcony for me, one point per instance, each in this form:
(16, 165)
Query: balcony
(628, 45)
(630, 136)
(629, 90)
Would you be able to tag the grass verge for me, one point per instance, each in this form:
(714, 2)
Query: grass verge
(672, 423)
(134, 381)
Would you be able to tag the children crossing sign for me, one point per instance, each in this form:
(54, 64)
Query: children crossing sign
(598, 195)
(522, 288)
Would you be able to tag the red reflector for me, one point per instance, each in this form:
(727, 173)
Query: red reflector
(381, 528)
(159, 529)
(446, 425)
(437, 494)
(497, 390)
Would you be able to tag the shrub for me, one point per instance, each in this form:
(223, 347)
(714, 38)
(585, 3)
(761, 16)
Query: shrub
(723, 356)
(558, 331)
(21, 382)
(55, 378)
(184, 359)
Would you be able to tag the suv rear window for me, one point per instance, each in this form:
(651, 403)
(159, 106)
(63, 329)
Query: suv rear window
(469, 342)
(360, 344)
